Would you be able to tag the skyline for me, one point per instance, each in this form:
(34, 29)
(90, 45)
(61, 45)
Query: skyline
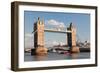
(59, 20)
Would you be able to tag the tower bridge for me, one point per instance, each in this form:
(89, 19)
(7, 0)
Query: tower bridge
(39, 29)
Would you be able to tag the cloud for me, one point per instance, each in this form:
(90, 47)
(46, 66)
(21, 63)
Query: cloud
(55, 43)
(58, 43)
(55, 23)
(61, 43)
(28, 35)
(29, 40)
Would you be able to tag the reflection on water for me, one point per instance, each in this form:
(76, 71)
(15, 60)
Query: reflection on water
(74, 55)
(56, 56)
(40, 58)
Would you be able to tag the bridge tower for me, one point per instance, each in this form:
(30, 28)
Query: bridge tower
(71, 38)
(39, 38)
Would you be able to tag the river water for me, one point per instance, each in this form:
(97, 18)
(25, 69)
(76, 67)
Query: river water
(56, 56)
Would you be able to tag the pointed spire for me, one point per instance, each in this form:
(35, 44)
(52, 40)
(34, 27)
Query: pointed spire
(42, 20)
(71, 25)
(38, 18)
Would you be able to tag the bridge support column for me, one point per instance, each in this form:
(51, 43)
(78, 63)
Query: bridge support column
(39, 38)
(75, 49)
(71, 37)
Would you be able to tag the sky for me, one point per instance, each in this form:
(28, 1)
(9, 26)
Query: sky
(56, 20)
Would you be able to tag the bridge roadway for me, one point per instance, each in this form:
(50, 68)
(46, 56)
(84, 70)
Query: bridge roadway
(58, 31)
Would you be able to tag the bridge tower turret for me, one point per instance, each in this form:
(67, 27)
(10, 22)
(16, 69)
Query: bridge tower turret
(39, 38)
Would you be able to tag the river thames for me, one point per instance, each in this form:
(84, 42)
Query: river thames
(57, 56)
